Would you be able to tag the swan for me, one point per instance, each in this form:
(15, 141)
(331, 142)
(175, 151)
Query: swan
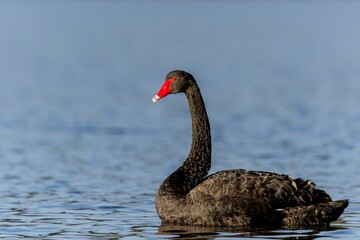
(235, 197)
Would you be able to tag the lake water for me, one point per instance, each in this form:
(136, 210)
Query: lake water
(83, 149)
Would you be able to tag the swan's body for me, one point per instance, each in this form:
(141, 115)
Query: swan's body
(233, 197)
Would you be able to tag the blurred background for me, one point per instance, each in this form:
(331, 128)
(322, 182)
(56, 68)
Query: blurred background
(82, 147)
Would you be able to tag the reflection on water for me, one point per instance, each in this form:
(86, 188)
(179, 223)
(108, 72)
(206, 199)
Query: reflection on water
(83, 149)
(192, 232)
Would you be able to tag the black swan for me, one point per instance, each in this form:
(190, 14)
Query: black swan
(233, 197)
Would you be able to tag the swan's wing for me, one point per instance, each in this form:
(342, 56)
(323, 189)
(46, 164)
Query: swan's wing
(251, 193)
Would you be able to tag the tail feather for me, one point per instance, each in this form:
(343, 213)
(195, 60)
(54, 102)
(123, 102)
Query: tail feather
(320, 214)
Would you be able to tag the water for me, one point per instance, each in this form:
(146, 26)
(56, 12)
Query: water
(83, 149)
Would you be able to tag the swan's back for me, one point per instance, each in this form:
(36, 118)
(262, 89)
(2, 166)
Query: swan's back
(265, 188)
(242, 198)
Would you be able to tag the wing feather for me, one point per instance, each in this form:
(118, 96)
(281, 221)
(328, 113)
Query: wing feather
(250, 194)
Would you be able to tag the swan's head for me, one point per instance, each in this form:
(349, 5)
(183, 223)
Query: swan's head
(176, 81)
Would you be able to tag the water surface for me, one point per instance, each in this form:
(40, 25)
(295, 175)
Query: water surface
(83, 149)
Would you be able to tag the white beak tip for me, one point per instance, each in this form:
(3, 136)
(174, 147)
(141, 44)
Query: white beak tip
(155, 98)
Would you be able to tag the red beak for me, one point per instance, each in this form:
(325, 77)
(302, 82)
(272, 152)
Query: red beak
(164, 90)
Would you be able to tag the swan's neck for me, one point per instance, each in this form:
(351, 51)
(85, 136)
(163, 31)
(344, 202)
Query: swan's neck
(198, 163)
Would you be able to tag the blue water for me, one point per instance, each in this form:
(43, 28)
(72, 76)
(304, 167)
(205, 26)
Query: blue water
(83, 149)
